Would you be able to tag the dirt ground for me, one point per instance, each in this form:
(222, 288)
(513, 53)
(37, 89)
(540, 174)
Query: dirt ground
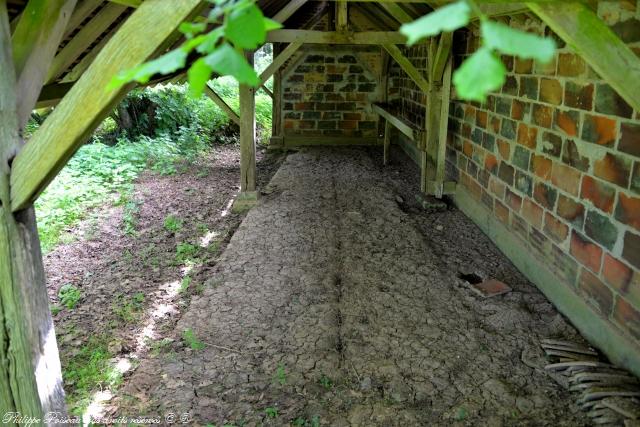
(337, 301)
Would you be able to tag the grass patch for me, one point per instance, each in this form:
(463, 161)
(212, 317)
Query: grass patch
(128, 309)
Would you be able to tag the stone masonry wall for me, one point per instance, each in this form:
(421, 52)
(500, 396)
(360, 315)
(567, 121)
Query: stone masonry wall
(555, 156)
(327, 94)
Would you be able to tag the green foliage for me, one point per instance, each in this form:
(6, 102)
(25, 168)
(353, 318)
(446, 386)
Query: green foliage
(446, 18)
(128, 310)
(483, 72)
(271, 412)
(303, 422)
(172, 223)
(326, 382)
(184, 284)
(244, 27)
(88, 371)
(69, 296)
(129, 217)
(189, 337)
(186, 252)
(281, 375)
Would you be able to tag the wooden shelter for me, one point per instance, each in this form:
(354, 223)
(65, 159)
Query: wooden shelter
(342, 75)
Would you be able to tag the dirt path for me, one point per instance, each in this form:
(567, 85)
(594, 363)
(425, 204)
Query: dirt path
(334, 304)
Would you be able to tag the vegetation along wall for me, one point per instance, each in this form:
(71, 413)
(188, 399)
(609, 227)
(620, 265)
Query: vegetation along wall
(549, 167)
(326, 95)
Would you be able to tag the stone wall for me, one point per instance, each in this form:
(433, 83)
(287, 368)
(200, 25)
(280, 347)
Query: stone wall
(554, 159)
(326, 96)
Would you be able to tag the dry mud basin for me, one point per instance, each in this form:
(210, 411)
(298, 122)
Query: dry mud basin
(337, 302)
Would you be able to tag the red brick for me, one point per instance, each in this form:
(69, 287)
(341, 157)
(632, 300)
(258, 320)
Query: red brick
(599, 129)
(517, 109)
(469, 113)
(467, 149)
(629, 139)
(289, 124)
(542, 115)
(568, 122)
(613, 168)
(352, 116)
(578, 96)
(481, 119)
(532, 212)
(631, 249)
(474, 188)
(570, 210)
(306, 106)
(616, 273)
(513, 200)
(565, 178)
(628, 210)
(306, 124)
(523, 66)
(586, 252)
(541, 167)
(556, 229)
(502, 212)
(600, 194)
(348, 124)
(597, 293)
(497, 187)
(570, 65)
(495, 124)
(527, 136)
(504, 148)
(627, 316)
(551, 91)
(491, 163)
(545, 195)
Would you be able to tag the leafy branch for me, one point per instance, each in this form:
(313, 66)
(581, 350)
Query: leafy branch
(220, 50)
(483, 72)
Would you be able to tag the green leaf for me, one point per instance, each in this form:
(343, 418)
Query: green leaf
(482, 73)
(198, 76)
(511, 41)
(190, 29)
(227, 61)
(245, 27)
(270, 24)
(165, 64)
(210, 41)
(447, 18)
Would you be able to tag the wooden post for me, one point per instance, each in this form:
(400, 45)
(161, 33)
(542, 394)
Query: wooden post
(342, 18)
(30, 374)
(247, 138)
(387, 141)
(276, 122)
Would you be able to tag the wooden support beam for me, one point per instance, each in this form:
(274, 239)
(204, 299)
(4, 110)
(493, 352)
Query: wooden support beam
(222, 104)
(342, 16)
(441, 57)
(129, 3)
(35, 42)
(247, 137)
(85, 38)
(407, 66)
(279, 60)
(52, 94)
(328, 37)
(82, 11)
(387, 142)
(397, 12)
(407, 129)
(30, 373)
(289, 9)
(266, 90)
(594, 41)
(141, 36)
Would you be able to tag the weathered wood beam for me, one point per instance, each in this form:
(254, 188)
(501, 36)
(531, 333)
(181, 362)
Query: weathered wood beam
(266, 90)
(35, 41)
(129, 3)
(289, 9)
(407, 66)
(594, 41)
(30, 373)
(52, 94)
(85, 38)
(441, 57)
(278, 61)
(247, 136)
(407, 129)
(82, 11)
(387, 142)
(327, 37)
(397, 12)
(222, 104)
(342, 16)
(87, 103)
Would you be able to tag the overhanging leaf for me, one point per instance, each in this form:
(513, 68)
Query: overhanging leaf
(447, 18)
(482, 73)
(225, 60)
(165, 64)
(511, 41)
(198, 75)
(245, 27)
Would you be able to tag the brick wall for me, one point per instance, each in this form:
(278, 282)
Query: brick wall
(327, 94)
(555, 157)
